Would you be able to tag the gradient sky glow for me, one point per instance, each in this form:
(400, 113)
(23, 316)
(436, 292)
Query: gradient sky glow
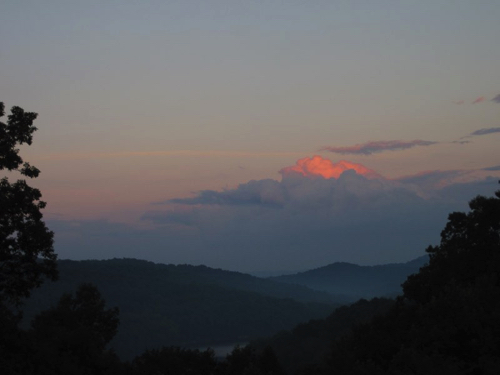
(148, 106)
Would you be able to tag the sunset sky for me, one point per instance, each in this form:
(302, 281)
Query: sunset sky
(224, 132)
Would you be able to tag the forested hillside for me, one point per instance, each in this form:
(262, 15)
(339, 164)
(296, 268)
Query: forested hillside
(183, 305)
(303, 348)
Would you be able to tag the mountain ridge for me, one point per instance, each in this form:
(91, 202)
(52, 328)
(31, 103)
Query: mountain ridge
(349, 279)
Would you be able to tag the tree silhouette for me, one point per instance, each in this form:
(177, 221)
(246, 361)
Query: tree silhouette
(26, 244)
(447, 320)
(71, 337)
(469, 249)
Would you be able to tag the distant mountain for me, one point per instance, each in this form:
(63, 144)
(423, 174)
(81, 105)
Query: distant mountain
(184, 305)
(354, 281)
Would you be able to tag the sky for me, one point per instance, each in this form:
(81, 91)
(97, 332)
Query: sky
(270, 136)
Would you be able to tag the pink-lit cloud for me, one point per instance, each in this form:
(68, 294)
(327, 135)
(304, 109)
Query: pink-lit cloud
(318, 166)
(372, 147)
(479, 100)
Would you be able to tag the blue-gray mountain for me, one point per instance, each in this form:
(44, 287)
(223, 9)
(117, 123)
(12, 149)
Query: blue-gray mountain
(354, 282)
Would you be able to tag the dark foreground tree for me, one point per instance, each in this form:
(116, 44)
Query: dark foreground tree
(469, 249)
(71, 337)
(447, 321)
(26, 245)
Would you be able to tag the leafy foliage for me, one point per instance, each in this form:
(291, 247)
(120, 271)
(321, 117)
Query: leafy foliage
(71, 337)
(469, 249)
(83, 315)
(26, 245)
(447, 320)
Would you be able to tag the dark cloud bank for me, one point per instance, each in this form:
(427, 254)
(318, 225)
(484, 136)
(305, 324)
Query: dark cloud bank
(373, 147)
(486, 131)
(293, 224)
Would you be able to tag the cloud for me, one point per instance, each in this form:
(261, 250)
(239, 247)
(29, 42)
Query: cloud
(483, 131)
(318, 166)
(313, 210)
(317, 221)
(486, 131)
(461, 142)
(434, 184)
(479, 100)
(459, 102)
(302, 221)
(377, 146)
(495, 168)
(263, 192)
(427, 182)
(496, 99)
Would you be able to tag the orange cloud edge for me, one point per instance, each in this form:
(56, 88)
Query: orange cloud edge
(319, 166)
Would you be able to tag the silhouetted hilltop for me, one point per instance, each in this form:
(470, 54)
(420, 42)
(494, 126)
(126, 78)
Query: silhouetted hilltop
(354, 281)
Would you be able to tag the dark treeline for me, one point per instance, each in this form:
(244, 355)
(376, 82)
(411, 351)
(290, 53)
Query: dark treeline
(303, 348)
(447, 320)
